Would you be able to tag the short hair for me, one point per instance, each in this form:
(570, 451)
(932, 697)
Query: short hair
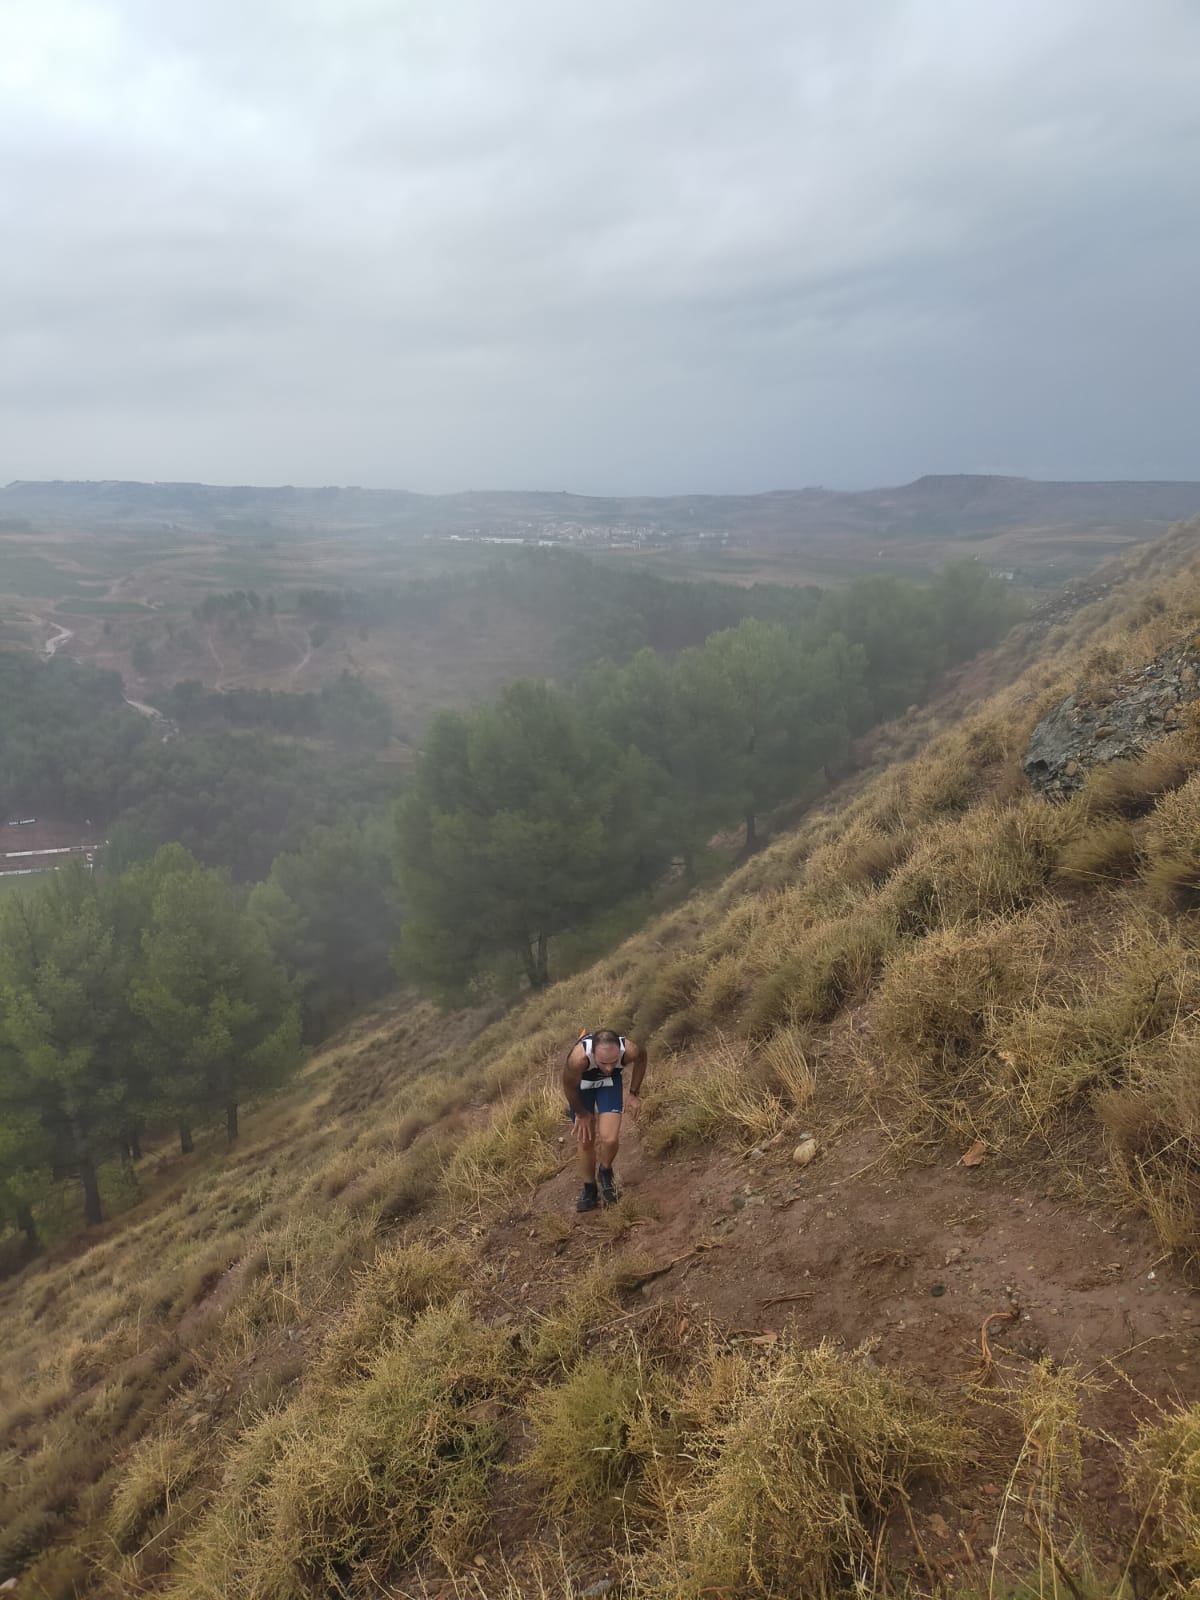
(605, 1036)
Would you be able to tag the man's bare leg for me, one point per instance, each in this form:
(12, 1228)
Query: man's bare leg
(584, 1134)
(608, 1138)
(587, 1159)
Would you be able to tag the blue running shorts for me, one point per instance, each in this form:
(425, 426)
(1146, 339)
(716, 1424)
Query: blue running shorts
(606, 1096)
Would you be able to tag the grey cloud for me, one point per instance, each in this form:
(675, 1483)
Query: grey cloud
(627, 247)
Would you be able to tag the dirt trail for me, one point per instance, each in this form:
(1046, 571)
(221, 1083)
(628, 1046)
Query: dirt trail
(305, 658)
(909, 1262)
(220, 665)
(61, 635)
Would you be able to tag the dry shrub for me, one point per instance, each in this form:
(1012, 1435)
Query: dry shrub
(1162, 1474)
(376, 1472)
(402, 1185)
(1127, 1007)
(1131, 788)
(514, 1150)
(397, 1286)
(1046, 1400)
(723, 1093)
(992, 862)
(671, 988)
(560, 1336)
(86, 1361)
(1153, 1120)
(799, 1460)
(786, 1060)
(938, 1008)
(860, 858)
(1172, 870)
(953, 774)
(680, 1030)
(722, 990)
(596, 1431)
(153, 1476)
(1104, 852)
(298, 1268)
(832, 966)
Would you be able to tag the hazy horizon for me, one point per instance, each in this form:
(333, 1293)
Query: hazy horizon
(622, 251)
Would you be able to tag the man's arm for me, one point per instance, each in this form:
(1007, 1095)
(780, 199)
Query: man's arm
(571, 1073)
(635, 1060)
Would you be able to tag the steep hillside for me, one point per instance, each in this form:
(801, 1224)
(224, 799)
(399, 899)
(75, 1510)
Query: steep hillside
(953, 1351)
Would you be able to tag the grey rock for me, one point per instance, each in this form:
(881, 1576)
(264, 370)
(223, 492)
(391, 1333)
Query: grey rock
(1086, 730)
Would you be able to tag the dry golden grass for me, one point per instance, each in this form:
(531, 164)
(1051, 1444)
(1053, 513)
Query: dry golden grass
(799, 1458)
(1172, 870)
(1128, 1003)
(308, 1280)
(595, 1432)
(727, 1091)
(363, 1475)
(1101, 853)
(1153, 1120)
(1163, 1476)
(939, 1007)
(557, 1339)
(1131, 788)
(401, 1282)
(510, 1155)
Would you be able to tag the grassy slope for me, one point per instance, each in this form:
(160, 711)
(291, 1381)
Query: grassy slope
(373, 1350)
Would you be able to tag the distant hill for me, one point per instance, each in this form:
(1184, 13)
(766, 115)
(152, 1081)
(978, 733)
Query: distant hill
(959, 504)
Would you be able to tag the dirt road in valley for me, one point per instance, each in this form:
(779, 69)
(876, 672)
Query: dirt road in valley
(61, 635)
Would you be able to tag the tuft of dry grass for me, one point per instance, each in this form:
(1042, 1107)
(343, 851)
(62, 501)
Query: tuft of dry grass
(939, 1006)
(1162, 1474)
(400, 1284)
(559, 1338)
(1172, 870)
(1131, 788)
(799, 1459)
(725, 1093)
(362, 1475)
(1153, 1122)
(1126, 1005)
(669, 990)
(994, 861)
(830, 967)
(151, 1480)
(513, 1152)
(595, 1432)
(1104, 852)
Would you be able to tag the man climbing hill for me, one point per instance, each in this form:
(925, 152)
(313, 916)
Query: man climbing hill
(593, 1080)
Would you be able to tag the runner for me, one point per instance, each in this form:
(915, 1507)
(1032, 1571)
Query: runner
(593, 1080)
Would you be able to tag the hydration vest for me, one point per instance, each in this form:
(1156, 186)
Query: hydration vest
(593, 1075)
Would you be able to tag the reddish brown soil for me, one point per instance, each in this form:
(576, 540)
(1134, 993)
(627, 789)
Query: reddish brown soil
(909, 1261)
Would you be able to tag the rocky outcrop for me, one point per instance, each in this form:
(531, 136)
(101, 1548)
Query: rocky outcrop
(1113, 720)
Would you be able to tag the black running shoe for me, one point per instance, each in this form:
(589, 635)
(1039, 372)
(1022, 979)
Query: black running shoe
(608, 1185)
(588, 1199)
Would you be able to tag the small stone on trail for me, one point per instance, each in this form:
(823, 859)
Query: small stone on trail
(938, 1289)
(953, 1255)
(804, 1152)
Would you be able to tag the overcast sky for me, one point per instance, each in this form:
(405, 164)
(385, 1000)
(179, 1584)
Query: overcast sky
(655, 245)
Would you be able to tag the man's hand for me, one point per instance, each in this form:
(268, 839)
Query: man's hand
(633, 1105)
(585, 1128)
